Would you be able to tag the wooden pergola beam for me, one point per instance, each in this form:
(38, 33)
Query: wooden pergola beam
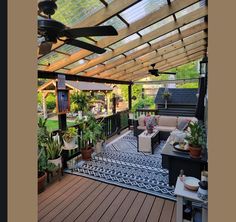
(198, 39)
(136, 26)
(197, 14)
(186, 33)
(53, 75)
(145, 64)
(191, 54)
(184, 61)
(115, 7)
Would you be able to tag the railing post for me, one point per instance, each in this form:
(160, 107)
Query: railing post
(118, 118)
(130, 96)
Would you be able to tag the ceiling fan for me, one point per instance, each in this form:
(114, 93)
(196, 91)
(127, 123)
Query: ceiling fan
(156, 72)
(50, 30)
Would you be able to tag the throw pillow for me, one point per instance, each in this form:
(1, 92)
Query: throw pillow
(183, 125)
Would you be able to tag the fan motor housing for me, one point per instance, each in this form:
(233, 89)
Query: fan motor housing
(50, 29)
(48, 7)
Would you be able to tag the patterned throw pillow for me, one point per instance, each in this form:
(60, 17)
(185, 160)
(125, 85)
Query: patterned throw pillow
(183, 125)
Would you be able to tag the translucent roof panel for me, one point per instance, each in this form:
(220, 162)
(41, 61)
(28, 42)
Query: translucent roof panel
(136, 49)
(163, 37)
(192, 24)
(190, 9)
(75, 64)
(40, 67)
(125, 41)
(115, 22)
(114, 59)
(70, 49)
(156, 25)
(94, 67)
(142, 9)
(71, 12)
(92, 56)
(51, 58)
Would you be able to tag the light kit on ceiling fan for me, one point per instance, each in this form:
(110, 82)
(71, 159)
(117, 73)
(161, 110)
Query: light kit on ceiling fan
(53, 30)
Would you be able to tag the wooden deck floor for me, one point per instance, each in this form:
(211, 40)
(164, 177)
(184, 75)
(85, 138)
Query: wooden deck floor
(76, 198)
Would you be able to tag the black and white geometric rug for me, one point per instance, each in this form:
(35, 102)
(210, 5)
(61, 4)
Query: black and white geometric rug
(120, 164)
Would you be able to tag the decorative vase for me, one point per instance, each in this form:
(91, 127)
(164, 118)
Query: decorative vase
(195, 152)
(57, 161)
(86, 153)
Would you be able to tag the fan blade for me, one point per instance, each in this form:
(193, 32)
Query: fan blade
(85, 45)
(90, 31)
(170, 73)
(45, 48)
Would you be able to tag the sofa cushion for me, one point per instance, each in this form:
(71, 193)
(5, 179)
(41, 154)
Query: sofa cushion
(141, 120)
(166, 128)
(168, 121)
(183, 123)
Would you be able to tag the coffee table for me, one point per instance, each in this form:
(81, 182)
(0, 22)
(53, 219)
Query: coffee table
(147, 141)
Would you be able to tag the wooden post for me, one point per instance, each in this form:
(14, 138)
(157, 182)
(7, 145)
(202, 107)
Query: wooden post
(130, 96)
(142, 93)
(44, 95)
(108, 102)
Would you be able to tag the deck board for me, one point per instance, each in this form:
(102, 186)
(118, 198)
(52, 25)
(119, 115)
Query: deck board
(76, 198)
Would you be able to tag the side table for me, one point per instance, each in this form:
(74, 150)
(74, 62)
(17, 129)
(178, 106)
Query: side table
(182, 193)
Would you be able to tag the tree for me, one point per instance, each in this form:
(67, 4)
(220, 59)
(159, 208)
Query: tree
(136, 91)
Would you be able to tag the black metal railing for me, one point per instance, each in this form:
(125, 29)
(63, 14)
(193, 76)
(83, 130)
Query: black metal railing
(112, 125)
(145, 111)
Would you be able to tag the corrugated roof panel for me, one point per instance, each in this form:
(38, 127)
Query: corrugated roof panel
(125, 41)
(163, 37)
(142, 9)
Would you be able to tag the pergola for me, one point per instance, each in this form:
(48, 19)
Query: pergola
(166, 32)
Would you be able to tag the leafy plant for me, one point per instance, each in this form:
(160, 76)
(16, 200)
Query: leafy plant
(81, 100)
(70, 134)
(196, 136)
(166, 95)
(91, 130)
(42, 133)
(43, 164)
(53, 148)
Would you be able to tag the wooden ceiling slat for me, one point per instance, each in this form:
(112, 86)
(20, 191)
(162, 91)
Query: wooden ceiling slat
(143, 75)
(199, 13)
(186, 33)
(146, 65)
(191, 53)
(136, 26)
(198, 39)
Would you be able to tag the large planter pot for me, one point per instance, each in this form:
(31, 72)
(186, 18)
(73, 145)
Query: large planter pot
(71, 145)
(86, 153)
(195, 152)
(56, 161)
(41, 181)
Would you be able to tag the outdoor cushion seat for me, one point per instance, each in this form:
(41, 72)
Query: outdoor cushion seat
(168, 121)
(166, 128)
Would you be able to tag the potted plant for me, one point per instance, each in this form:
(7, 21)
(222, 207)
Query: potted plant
(53, 151)
(166, 95)
(91, 133)
(69, 138)
(43, 167)
(195, 138)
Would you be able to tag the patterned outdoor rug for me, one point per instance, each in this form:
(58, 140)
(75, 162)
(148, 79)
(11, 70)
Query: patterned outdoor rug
(120, 164)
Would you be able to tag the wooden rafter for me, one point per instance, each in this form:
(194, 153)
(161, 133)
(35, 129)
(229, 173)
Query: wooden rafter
(186, 33)
(192, 52)
(136, 26)
(198, 39)
(172, 55)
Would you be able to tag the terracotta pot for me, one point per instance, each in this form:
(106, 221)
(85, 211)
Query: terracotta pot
(195, 152)
(86, 153)
(56, 161)
(41, 181)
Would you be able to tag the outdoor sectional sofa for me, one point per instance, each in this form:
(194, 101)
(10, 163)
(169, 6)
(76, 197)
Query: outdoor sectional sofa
(165, 124)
